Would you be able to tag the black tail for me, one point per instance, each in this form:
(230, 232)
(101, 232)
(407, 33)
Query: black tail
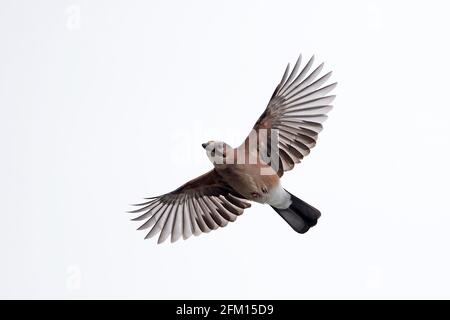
(300, 215)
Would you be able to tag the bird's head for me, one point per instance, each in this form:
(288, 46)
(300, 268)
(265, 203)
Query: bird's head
(216, 151)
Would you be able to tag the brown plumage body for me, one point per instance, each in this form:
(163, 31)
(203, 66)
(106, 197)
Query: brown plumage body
(252, 179)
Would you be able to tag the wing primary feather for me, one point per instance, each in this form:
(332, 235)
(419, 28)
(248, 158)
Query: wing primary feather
(322, 101)
(145, 206)
(314, 94)
(316, 84)
(147, 214)
(293, 154)
(188, 228)
(212, 212)
(231, 207)
(286, 72)
(152, 220)
(288, 160)
(307, 139)
(167, 226)
(227, 215)
(237, 201)
(312, 118)
(300, 146)
(177, 229)
(311, 110)
(160, 221)
(314, 126)
(305, 82)
(283, 79)
(300, 76)
(208, 219)
(292, 75)
(200, 218)
(149, 198)
(155, 216)
(308, 132)
(309, 90)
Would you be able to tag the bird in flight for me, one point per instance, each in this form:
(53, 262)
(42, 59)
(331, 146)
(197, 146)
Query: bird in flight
(282, 136)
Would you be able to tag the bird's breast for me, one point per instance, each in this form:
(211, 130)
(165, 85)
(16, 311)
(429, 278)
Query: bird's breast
(250, 181)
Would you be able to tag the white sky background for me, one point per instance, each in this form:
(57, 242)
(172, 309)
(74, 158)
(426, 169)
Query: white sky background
(97, 98)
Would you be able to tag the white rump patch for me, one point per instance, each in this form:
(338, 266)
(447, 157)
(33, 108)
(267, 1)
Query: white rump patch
(279, 198)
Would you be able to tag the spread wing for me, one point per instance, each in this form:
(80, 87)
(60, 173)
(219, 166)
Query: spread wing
(200, 205)
(295, 113)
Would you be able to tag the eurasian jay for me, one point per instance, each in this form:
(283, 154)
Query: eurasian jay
(281, 138)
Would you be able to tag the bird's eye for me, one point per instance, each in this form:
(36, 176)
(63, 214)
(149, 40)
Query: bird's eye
(213, 152)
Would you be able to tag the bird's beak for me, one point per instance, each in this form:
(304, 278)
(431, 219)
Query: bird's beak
(204, 145)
